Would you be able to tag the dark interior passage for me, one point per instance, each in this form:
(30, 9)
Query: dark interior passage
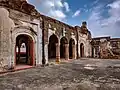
(71, 44)
(63, 41)
(24, 50)
(52, 46)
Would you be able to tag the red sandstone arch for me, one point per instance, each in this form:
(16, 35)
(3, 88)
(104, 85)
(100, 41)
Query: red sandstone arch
(81, 50)
(29, 54)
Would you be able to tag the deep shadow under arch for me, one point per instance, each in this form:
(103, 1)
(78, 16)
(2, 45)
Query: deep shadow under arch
(71, 44)
(63, 41)
(52, 46)
(81, 50)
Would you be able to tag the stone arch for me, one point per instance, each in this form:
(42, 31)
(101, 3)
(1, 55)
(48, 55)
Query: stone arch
(81, 50)
(66, 39)
(53, 40)
(64, 47)
(22, 30)
(72, 49)
(55, 36)
(74, 38)
(84, 43)
(28, 56)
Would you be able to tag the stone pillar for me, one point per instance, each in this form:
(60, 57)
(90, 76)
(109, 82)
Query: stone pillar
(57, 53)
(18, 59)
(74, 51)
(66, 51)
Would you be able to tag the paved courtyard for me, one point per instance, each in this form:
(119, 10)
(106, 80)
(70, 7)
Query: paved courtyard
(84, 74)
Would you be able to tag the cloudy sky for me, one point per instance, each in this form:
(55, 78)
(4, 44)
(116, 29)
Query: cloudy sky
(102, 16)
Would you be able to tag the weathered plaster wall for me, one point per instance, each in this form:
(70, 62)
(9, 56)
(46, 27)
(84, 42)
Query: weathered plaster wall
(14, 23)
(6, 24)
(31, 27)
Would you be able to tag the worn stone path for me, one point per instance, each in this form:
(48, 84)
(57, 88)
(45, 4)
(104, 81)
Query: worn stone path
(84, 74)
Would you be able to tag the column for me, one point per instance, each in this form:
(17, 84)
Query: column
(57, 53)
(18, 59)
(14, 57)
(66, 51)
(74, 51)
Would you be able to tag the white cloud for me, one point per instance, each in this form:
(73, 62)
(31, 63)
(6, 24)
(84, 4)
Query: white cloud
(66, 5)
(101, 26)
(52, 8)
(114, 4)
(77, 13)
(57, 14)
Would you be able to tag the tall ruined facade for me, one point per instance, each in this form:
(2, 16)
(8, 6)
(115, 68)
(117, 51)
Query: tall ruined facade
(27, 37)
(20, 24)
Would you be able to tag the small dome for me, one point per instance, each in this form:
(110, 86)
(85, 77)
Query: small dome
(84, 23)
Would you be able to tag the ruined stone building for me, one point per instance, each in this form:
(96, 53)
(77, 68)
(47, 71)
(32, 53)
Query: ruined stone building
(27, 37)
(105, 47)
(30, 38)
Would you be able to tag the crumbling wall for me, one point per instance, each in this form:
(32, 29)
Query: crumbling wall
(6, 24)
(106, 51)
(103, 49)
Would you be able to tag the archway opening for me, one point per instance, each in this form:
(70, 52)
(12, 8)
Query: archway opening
(92, 52)
(63, 41)
(24, 50)
(82, 50)
(71, 48)
(52, 46)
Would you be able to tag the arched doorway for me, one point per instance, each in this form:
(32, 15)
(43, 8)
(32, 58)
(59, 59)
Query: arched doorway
(52, 47)
(24, 50)
(92, 52)
(71, 48)
(63, 47)
(82, 50)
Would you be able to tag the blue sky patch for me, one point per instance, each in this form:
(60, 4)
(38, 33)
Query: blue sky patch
(102, 16)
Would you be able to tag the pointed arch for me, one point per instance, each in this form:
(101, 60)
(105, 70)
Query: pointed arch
(72, 48)
(63, 41)
(53, 40)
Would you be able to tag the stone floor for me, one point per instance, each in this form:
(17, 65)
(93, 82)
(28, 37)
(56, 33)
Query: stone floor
(84, 74)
